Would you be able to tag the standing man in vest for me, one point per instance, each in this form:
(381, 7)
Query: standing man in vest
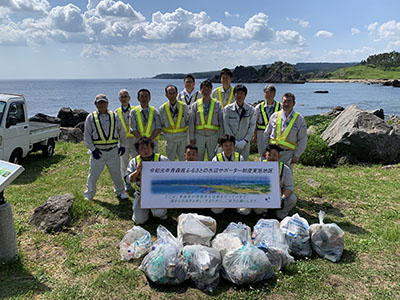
(145, 148)
(264, 111)
(103, 131)
(123, 113)
(145, 119)
(189, 95)
(224, 93)
(240, 121)
(174, 119)
(206, 122)
(288, 130)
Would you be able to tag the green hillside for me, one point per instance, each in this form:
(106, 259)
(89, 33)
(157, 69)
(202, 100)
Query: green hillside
(369, 71)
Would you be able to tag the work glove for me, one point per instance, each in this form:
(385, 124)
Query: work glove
(121, 151)
(96, 153)
(240, 144)
(283, 199)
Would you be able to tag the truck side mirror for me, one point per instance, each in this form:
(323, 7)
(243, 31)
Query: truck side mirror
(12, 120)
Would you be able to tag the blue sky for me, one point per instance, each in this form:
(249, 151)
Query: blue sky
(42, 39)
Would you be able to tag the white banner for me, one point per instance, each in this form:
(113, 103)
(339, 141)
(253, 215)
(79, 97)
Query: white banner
(210, 185)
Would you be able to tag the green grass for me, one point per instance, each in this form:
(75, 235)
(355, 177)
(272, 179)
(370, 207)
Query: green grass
(83, 262)
(366, 72)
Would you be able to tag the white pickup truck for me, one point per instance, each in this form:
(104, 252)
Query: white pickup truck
(18, 135)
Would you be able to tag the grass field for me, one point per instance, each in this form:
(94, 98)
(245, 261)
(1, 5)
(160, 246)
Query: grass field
(83, 261)
(366, 72)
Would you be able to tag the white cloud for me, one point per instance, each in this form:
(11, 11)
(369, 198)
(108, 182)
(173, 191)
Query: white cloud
(11, 35)
(347, 55)
(214, 31)
(228, 14)
(323, 34)
(67, 18)
(290, 37)
(36, 6)
(387, 31)
(302, 23)
(355, 31)
(110, 8)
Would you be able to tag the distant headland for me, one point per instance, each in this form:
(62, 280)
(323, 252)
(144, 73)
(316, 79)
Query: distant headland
(383, 68)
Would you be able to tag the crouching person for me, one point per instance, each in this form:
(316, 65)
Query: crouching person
(145, 147)
(288, 198)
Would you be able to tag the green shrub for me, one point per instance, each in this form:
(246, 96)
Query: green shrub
(317, 153)
(319, 122)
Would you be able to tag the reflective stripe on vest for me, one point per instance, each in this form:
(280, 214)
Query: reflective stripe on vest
(138, 160)
(126, 126)
(102, 140)
(280, 167)
(219, 93)
(200, 108)
(236, 156)
(281, 139)
(264, 114)
(174, 127)
(142, 131)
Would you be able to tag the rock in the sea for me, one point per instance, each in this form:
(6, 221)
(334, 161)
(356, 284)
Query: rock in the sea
(69, 134)
(364, 136)
(70, 118)
(321, 92)
(54, 214)
(45, 119)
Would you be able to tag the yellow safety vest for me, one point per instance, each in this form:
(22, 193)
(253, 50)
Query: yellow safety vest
(219, 93)
(236, 156)
(281, 138)
(174, 127)
(104, 139)
(126, 126)
(264, 114)
(138, 160)
(200, 108)
(145, 132)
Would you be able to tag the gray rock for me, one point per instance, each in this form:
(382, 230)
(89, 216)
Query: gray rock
(70, 118)
(68, 134)
(311, 182)
(363, 136)
(81, 126)
(334, 112)
(377, 112)
(54, 214)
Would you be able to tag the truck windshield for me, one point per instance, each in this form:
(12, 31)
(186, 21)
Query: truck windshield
(2, 106)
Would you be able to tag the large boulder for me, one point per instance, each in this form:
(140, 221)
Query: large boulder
(54, 214)
(45, 118)
(364, 136)
(68, 134)
(70, 118)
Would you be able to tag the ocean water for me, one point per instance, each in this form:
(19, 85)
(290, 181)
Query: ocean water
(49, 96)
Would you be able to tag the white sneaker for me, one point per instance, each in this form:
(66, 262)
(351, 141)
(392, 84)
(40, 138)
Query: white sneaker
(123, 196)
(87, 198)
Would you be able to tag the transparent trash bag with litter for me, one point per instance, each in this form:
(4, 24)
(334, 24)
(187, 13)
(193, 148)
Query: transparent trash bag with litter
(203, 266)
(268, 237)
(297, 235)
(136, 243)
(196, 229)
(327, 239)
(165, 264)
(233, 237)
(247, 264)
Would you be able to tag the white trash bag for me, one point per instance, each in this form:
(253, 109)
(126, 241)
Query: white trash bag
(297, 235)
(203, 266)
(268, 237)
(246, 265)
(136, 243)
(165, 264)
(327, 239)
(233, 237)
(196, 229)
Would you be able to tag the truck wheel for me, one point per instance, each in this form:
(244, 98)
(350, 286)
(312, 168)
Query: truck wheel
(16, 157)
(48, 150)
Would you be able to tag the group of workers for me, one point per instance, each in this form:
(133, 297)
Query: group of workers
(216, 125)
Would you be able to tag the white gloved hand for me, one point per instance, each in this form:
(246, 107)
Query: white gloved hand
(240, 144)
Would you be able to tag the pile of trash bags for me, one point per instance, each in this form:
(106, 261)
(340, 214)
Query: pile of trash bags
(236, 254)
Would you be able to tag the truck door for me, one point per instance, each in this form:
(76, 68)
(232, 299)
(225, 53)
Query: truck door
(16, 131)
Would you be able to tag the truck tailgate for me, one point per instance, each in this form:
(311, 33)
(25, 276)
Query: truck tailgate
(40, 132)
